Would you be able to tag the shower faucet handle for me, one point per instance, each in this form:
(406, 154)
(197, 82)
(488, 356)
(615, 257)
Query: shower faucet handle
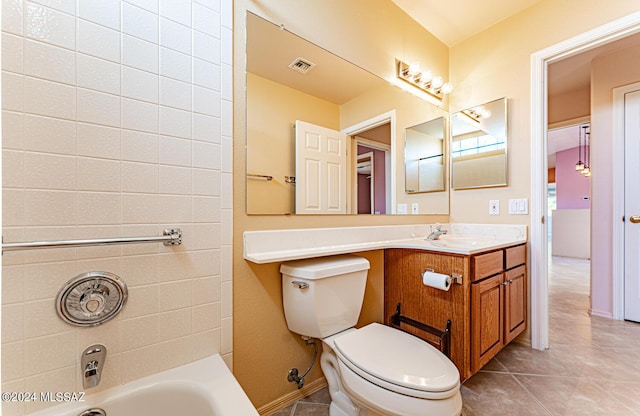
(92, 364)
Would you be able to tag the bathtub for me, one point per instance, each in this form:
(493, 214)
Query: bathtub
(202, 388)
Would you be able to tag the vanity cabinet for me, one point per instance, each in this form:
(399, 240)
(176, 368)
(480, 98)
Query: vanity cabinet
(487, 308)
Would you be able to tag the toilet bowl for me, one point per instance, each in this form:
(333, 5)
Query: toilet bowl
(374, 370)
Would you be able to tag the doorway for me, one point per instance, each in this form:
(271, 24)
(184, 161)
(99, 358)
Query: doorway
(605, 34)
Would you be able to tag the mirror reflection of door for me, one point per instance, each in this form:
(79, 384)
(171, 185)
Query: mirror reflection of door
(366, 182)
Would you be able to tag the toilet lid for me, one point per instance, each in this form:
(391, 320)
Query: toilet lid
(398, 358)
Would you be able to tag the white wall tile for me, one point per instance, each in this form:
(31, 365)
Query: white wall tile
(176, 10)
(139, 177)
(66, 6)
(50, 208)
(175, 36)
(13, 169)
(140, 54)
(98, 108)
(98, 141)
(59, 379)
(99, 208)
(138, 332)
(206, 74)
(140, 85)
(227, 152)
(140, 209)
(206, 128)
(175, 122)
(175, 209)
(206, 47)
(139, 147)
(49, 98)
(226, 270)
(12, 360)
(175, 180)
(175, 64)
(139, 23)
(49, 25)
(12, 130)
(49, 353)
(206, 101)
(98, 175)
(206, 182)
(12, 91)
(226, 117)
(98, 41)
(98, 74)
(226, 86)
(48, 171)
(206, 317)
(39, 321)
(175, 324)
(226, 46)
(103, 12)
(142, 301)
(226, 343)
(139, 115)
(226, 190)
(206, 209)
(206, 155)
(81, 122)
(176, 94)
(12, 53)
(175, 151)
(175, 295)
(12, 13)
(206, 20)
(150, 5)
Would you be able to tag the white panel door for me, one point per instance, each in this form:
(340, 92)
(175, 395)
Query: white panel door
(632, 207)
(321, 170)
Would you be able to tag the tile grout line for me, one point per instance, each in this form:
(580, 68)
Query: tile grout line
(535, 399)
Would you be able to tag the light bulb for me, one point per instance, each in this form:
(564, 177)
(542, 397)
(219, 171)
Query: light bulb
(414, 68)
(446, 88)
(437, 82)
(579, 166)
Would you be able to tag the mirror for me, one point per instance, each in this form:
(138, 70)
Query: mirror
(291, 80)
(424, 157)
(479, 146)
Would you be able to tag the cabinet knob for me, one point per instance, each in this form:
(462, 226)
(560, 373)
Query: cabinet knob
(504, 283)
(634, 219)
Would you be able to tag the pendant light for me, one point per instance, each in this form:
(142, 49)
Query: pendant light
(580, 164)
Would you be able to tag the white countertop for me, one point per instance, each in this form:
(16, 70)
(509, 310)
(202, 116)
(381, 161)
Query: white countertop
(272, 246)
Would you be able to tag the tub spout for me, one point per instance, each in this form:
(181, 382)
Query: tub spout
(93, 359)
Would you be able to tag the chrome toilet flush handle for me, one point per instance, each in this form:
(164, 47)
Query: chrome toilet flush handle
(299, 284)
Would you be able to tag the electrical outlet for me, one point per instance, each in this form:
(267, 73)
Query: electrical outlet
(494, 207)
(414, 208)
(402, 209)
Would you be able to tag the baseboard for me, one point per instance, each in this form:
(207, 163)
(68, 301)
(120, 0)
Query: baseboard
(601, 314)
(287, 399)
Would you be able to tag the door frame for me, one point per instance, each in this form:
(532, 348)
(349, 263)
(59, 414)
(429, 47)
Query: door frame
(606, 33)
(370, 156)
(390, 165)
(618, 197)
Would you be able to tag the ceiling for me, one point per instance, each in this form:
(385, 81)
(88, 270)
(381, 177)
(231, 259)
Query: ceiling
(453, 21)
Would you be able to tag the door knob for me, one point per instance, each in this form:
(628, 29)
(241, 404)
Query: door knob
(634, 219)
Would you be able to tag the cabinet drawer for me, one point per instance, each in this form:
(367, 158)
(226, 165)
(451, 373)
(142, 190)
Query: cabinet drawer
(486, 265)
(515, 256)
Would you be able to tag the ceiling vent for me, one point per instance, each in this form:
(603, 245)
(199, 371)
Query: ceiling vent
(301, 65)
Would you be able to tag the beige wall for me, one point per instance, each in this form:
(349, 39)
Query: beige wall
(107, 132)
(378, 32)
(569, 105)
(496, 63)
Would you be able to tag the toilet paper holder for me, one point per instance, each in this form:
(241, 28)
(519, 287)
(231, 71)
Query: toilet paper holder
(455, 277)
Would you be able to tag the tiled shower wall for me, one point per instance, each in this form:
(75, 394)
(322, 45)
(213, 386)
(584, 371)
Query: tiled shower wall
(116, 121)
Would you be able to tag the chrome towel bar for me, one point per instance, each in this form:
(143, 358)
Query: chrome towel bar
(170, 237)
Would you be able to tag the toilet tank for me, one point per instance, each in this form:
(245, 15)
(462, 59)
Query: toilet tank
(323, 296)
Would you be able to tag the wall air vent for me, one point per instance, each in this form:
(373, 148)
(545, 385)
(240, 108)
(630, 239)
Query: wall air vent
(302, 65)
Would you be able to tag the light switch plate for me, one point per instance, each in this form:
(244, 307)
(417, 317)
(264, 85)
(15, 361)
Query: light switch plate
(402, 209)
(414, 208)
(494, 207)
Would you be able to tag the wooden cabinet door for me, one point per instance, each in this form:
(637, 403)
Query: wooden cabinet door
(515, 319)
(487, 320)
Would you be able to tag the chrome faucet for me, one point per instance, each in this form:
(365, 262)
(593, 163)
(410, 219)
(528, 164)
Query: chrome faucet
(93, 359)
(436, 233)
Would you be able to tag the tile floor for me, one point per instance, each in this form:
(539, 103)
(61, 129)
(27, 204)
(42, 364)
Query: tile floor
(591, 369)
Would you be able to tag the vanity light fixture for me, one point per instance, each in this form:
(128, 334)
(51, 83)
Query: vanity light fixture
(423, 80)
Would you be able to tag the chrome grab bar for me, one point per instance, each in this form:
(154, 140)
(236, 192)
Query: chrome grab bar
(170, 237)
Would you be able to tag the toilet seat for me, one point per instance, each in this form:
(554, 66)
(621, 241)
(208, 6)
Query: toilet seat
(397, 361)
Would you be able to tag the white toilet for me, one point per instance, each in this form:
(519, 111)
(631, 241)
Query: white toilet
(374, 370)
